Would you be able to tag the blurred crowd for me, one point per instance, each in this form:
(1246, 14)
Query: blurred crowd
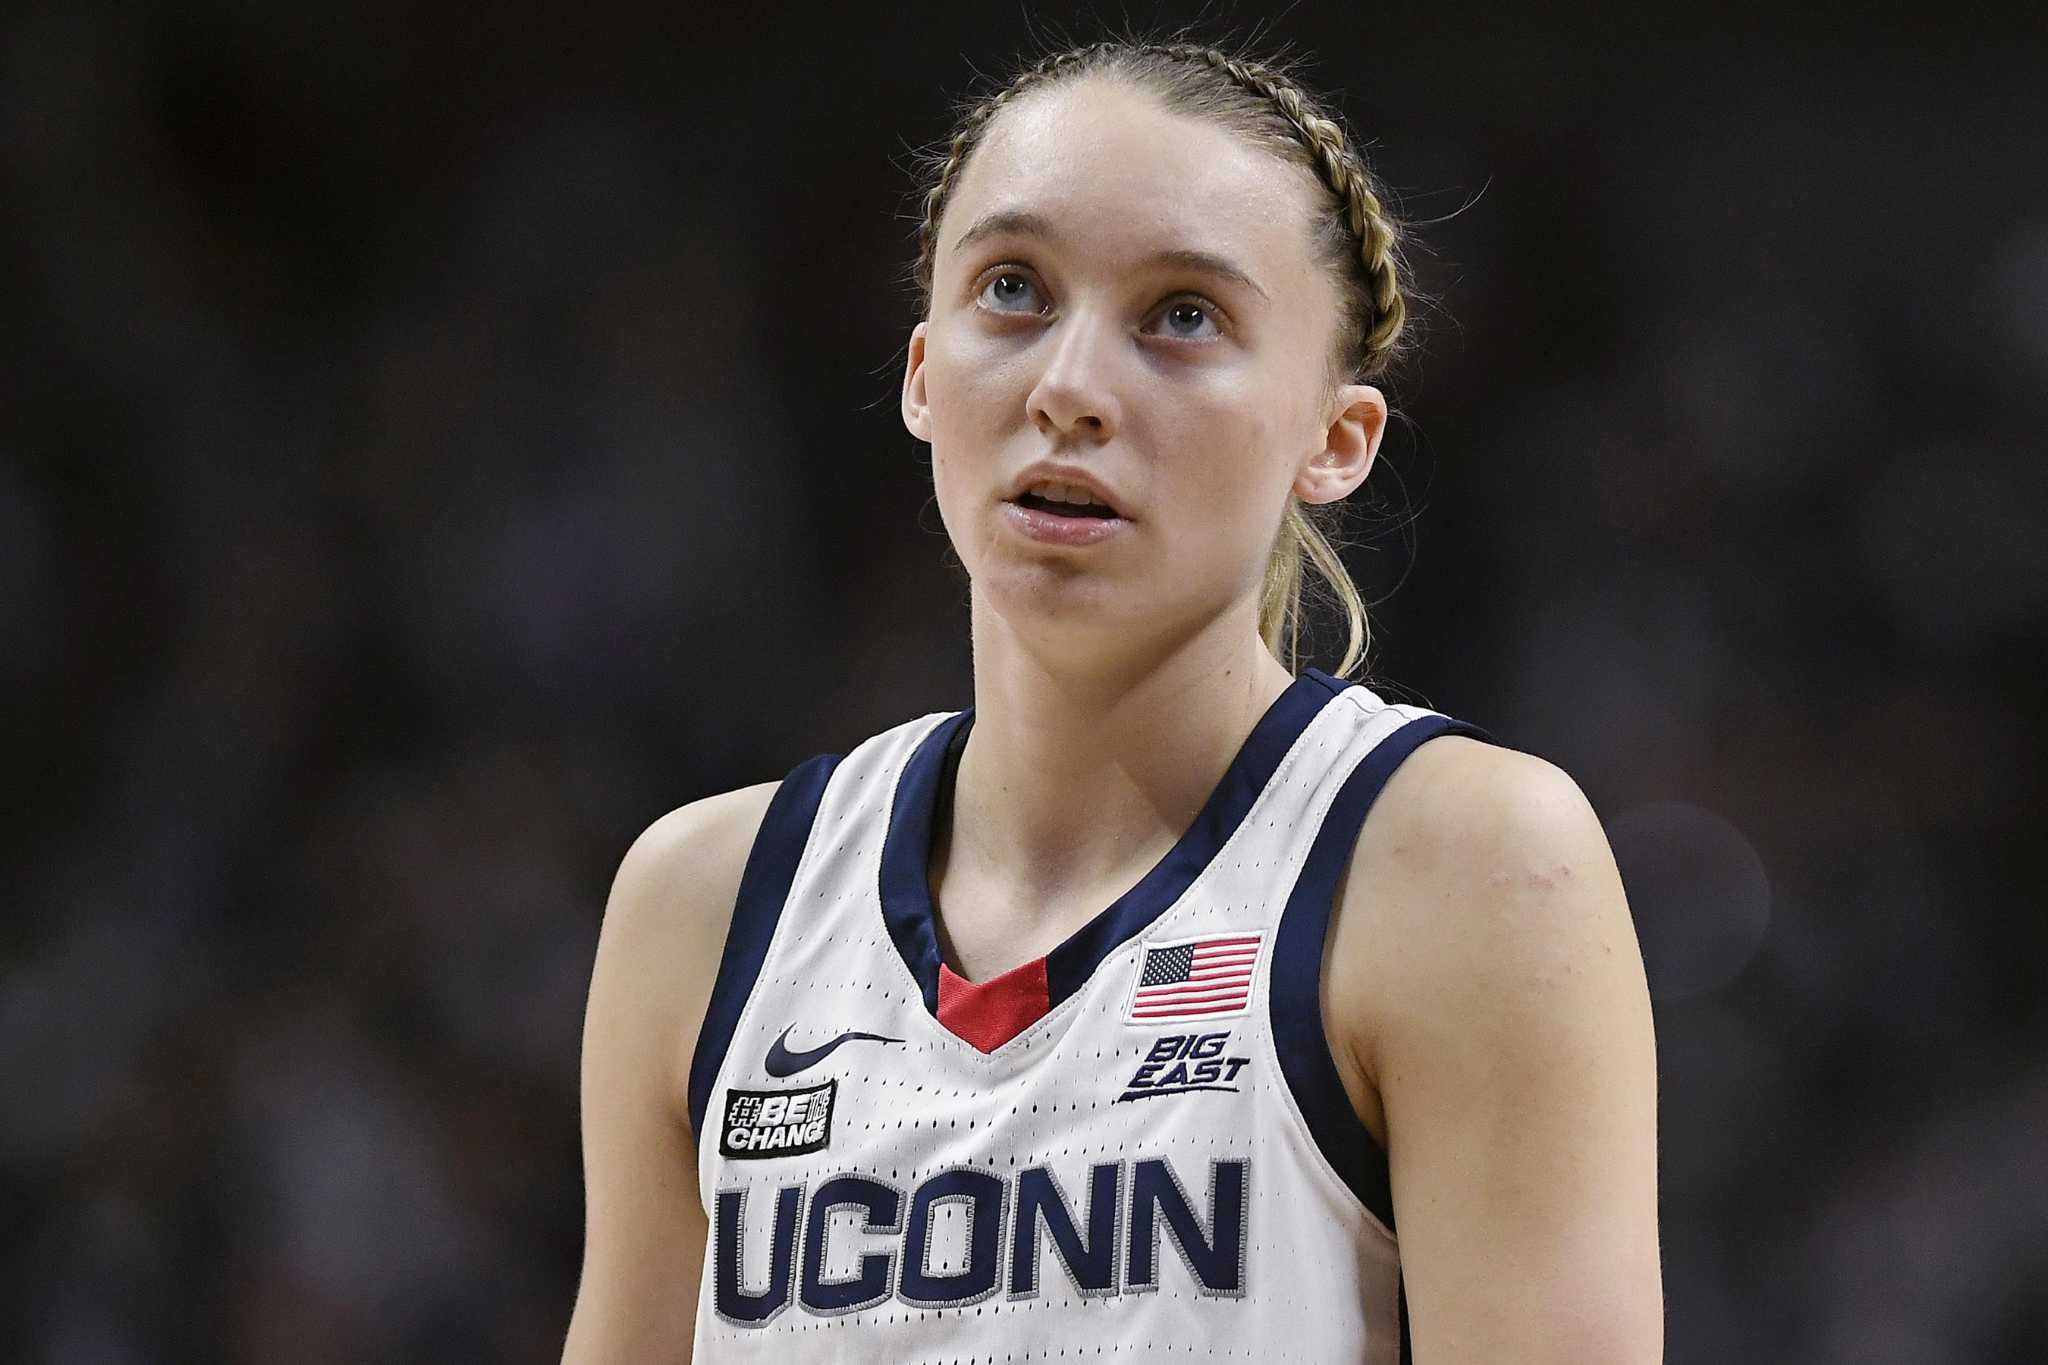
(436, 444)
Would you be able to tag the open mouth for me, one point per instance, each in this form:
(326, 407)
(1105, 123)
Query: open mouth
(1064, 509)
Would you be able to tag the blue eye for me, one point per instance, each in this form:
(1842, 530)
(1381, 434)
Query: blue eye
(996, 287)
(1179, 309)
(1184, 315)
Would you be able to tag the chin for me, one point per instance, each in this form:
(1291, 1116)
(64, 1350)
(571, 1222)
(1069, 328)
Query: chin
(1041, 595)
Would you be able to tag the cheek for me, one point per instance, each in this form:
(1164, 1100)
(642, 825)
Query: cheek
(958, 461)
(961, 363)
(1235, 486)
(953, 488)
(969, 397)
(963, 392)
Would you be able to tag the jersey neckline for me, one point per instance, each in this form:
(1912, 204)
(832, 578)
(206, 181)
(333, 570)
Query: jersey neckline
(906, 850)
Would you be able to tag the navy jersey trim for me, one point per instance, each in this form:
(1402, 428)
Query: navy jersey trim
(1297, 972)
(906, 852)
(906, 888)
(764, 886)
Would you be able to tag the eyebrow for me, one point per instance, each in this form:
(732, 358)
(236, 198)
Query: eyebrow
(1025, 223)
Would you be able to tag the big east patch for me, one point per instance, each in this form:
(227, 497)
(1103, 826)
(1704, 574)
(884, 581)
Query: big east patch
(1180, 1062)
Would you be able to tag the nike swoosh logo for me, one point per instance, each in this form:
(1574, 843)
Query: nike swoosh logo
(782, 1062)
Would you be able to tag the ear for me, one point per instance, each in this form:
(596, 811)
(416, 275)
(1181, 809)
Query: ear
(916, 406)
(1350, 444)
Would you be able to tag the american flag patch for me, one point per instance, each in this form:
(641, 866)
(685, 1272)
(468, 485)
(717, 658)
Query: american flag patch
(1195, 978)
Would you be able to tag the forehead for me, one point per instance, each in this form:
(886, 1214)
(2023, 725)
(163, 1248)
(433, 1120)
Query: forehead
(1119, 176)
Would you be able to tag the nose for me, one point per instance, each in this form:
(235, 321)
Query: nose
(1074, 395)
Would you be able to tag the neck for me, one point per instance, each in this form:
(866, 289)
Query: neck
(1074, 781)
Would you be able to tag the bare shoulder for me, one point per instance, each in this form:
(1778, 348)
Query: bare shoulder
(666, 919)
(1488, 988)
(657, 958)
(675, 872)
(1455, 797)
(1480, 873)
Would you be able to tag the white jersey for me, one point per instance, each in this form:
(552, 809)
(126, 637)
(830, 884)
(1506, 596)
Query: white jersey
(1136, 1146)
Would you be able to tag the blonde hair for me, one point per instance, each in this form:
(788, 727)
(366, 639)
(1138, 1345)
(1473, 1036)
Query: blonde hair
(1356, 239)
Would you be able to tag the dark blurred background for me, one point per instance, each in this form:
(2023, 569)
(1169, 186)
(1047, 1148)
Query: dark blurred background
(438, 441)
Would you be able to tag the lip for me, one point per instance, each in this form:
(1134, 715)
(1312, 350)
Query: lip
(1052, 471)
(1050, 528)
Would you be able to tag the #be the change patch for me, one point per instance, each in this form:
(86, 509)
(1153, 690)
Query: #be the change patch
(765, 1123)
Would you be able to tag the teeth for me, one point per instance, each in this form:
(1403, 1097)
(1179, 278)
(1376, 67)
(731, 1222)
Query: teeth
(1064, 492)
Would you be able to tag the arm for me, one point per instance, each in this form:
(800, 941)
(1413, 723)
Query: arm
(1489, 992)
(657, 956)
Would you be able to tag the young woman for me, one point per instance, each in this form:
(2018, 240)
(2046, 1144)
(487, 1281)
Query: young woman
(1165, 1003)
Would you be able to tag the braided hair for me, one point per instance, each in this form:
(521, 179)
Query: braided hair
(1356, 239)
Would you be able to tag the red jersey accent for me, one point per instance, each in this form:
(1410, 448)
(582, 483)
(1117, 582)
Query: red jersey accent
(991, 1013)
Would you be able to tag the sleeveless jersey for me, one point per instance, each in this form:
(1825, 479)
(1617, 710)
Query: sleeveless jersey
(1136, 1146)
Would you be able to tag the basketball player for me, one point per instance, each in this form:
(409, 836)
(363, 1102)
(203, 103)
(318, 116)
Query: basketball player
(1167, 1003)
